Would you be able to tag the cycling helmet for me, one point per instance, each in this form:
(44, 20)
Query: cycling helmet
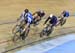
(26, 10)
(51, 15)
(40, 10)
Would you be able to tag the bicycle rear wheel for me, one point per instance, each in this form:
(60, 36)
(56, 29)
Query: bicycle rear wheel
(44, 32)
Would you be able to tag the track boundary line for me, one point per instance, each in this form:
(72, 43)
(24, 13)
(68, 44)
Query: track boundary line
(3, 23)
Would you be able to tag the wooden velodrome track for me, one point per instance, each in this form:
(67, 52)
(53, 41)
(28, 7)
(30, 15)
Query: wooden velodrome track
(10, 10)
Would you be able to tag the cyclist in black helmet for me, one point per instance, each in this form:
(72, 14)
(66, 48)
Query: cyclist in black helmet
(38, 16)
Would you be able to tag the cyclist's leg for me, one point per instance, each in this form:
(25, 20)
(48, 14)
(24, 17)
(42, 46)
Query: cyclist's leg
(35, 17)
(63, 22)
(37, 20)
(46, 28)
(22, 35)
(34, 20)
(22, 31)
(27, 31)
(51, 28)
(60, 21)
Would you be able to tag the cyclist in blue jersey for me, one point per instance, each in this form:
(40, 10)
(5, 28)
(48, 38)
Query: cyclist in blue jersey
(25, 19)
(63, 17)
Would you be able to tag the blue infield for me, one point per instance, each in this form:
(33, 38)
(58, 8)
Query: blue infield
(64, 44)
(68, 47)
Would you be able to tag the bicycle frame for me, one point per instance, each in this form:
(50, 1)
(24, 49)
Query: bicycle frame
(46, 31)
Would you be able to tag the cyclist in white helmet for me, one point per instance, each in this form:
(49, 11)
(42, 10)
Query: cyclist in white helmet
(52, 20)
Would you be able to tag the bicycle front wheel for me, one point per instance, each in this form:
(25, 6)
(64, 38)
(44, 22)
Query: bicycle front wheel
(16, 32)
(50, 31)
(15, 38)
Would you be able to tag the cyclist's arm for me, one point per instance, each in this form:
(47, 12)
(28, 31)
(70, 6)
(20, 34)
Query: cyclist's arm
(19, 17)
(47, 20)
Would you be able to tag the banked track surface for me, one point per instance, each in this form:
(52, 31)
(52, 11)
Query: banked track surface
(33, 41)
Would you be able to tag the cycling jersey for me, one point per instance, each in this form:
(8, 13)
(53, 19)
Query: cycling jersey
(27, 17)
(40, 14)
(52, 21)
